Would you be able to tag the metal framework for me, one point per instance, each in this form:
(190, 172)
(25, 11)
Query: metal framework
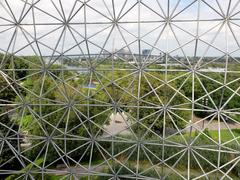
(133, 75)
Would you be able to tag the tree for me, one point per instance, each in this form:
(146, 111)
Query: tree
(8, 129)
(9, 143)
(16, 67)
(62, 115)
(156, 105)
(215, 93)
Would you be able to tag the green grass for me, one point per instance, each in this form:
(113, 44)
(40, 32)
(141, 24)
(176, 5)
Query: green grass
(226, 135)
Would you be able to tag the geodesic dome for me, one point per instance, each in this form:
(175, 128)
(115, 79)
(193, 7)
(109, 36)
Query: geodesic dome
(119, 89)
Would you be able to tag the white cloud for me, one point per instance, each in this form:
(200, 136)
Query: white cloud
(96, 20)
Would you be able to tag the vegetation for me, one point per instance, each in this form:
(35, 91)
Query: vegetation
(62, 114)
(8, 128)
(212, 83)
(151, 153)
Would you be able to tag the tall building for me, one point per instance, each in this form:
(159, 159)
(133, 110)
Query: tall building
(146, 53)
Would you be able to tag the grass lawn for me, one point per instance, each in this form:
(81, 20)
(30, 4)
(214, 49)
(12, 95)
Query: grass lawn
(226, 135)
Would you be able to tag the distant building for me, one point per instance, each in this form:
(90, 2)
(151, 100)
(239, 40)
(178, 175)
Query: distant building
(146, 52)
(123, 53)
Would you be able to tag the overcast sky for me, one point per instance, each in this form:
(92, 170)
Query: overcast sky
(177, 39)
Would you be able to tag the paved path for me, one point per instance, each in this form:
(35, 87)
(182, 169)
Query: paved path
(118, 124)
(198, 124)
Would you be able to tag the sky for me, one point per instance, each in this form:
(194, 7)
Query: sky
(179, 38)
